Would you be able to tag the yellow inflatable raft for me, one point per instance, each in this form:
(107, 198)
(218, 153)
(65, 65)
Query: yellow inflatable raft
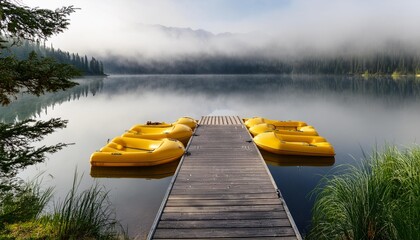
(188, 121)
(265, 127)
(285, 125)
(124, 152)
(179, 131)
(294, 145)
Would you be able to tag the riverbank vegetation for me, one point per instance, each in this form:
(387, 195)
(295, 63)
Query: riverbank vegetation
(377, 200)
(86, 214)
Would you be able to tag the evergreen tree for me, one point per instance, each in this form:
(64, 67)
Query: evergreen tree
(34, 75)
(86, 65)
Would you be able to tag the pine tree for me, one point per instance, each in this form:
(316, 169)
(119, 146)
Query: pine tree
(86, 65)
(34, 75)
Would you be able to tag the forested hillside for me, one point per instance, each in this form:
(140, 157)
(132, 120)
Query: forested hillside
(88, 66)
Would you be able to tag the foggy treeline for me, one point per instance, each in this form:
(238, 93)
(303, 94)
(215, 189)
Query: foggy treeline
(82, 63)
(380, 63)
(387, 61)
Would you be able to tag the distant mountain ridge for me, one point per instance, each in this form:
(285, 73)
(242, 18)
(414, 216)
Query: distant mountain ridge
(178, 32)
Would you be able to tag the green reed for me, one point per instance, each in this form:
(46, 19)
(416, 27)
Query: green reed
(379, 199)
(84, 214)
(87, 214)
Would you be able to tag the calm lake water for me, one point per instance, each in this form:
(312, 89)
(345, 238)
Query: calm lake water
(353, 113)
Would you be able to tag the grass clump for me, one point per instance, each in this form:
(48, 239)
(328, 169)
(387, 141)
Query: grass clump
(380, 199)
(33, 229)
(24, 203)
(84, 214)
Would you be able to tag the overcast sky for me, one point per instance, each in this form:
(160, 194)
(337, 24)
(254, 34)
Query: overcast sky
(109, 25)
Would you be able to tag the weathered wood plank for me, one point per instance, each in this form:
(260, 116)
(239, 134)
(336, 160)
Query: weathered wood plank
(218, 179)
(236, 165)
(258, 238)
(205, 182)
(228, 187)
(242, 223)
(221, 209)
(204, 175)
(229, 179)
(228, 121)
(240, 151)
(215, 121)
(210, 171)
(212, 202)
(223, 196)
(220, 191)
(224, 232)
(233, 168)
(221, 176)
(222, 158)
(223, 184)
(182, 216)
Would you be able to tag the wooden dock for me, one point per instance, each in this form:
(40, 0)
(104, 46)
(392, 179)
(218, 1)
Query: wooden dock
(223, 189)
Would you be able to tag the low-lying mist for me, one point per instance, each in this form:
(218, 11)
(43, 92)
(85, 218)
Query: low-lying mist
(161, 49)
(174, 33)
(300, 29)
(156, 48)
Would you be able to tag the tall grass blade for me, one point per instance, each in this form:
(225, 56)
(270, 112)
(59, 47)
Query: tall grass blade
(87, 214)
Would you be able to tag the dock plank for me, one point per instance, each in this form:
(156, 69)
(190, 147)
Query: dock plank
(182, 216)
(228, 202)
(223, 196)
(223, 189)
(257, 238)
(242, 223)
(224, 232)
(221, 209)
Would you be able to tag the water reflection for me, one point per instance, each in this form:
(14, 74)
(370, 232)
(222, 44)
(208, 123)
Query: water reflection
(153, 172)
(28, 106)
(288, 160)
(384, 88)
(389, 90)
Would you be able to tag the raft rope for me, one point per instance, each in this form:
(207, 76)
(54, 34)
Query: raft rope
(143, 149)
